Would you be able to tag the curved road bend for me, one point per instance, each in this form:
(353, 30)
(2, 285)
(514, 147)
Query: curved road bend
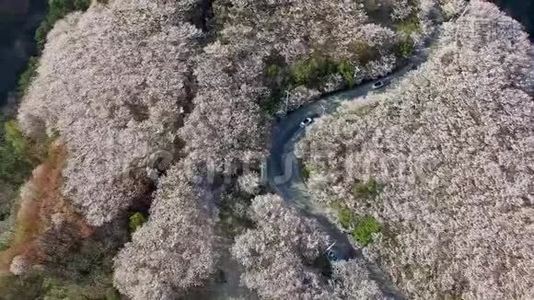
(283, 171)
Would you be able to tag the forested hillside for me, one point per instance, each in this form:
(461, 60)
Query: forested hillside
(150, 121)
(442, 163)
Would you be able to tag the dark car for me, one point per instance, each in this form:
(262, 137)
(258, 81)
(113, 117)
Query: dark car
(331, 253)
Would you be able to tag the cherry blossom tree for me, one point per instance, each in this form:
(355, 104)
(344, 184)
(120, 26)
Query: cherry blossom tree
(350, 280)
(112, 83)
(277, 254)
(226, 124)
(174, 251)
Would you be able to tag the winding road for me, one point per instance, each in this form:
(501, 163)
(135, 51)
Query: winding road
(283, 171)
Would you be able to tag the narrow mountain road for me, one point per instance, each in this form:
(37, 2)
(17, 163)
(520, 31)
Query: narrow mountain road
(284, 174)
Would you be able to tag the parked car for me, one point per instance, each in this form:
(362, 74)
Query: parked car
(331, 253)
(379, 84)
(332, 256)
(306, 122)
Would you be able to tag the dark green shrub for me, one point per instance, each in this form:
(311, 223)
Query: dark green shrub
(277, 79)
(404, 48)
(82, 5)
(307, 169)
(369, 189)
(364, 229)
(233, 217)
(409, 25)
(271, 105)
(273, 71)
(112, 293)
(306, 172)
(312, 71)
(14, 137)
(136, 220)
(346, 69)
(346, 218)
(364, 52)
(15, 164)
(27, 76)
(21, 287)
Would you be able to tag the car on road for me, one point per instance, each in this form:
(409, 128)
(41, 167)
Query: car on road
(379, 84)
(306, 122)
(331, 254)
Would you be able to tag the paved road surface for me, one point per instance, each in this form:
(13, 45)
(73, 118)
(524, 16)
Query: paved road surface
(283, 170)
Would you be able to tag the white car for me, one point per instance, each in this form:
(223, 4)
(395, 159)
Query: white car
(306, 122)
(378, 85)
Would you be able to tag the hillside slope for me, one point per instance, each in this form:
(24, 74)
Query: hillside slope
(444, 162)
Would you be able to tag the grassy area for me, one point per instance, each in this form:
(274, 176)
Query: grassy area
(277, 77)
(312, 72)
(364, 229)
(347, 71)
(405, 47)
(272, 104)
(361, 228)
(346, 218)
